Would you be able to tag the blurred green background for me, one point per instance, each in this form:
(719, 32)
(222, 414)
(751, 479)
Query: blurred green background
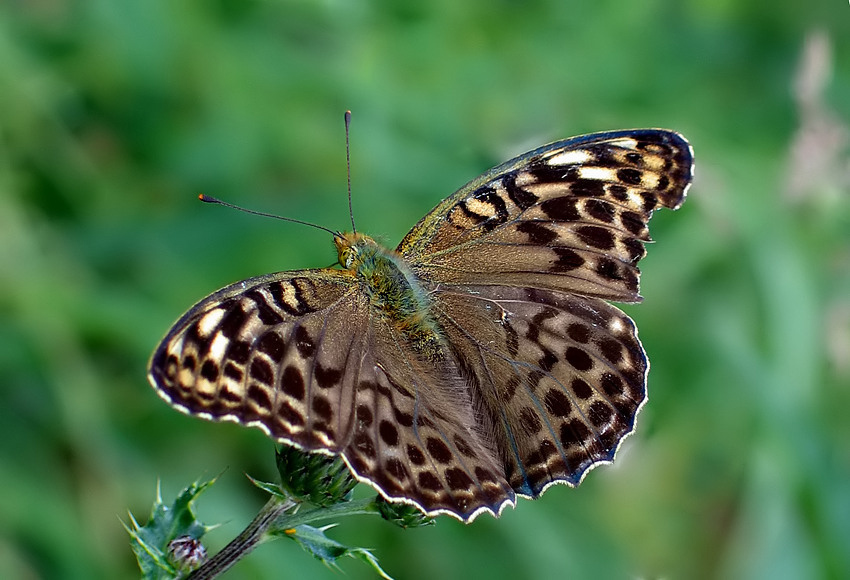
(115, 115)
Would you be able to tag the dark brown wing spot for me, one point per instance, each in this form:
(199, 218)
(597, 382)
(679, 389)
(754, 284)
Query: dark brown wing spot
(260, 396)
(588, 188)
(458, 479)
(611, 349)
(618, 192)
(484, 474)
(229, 396)
(415, 455)
(566, 261)
(233, 322)
(232, 371)
(561, 209)
(265, 312)
(596, 236)
(635, 249)
(633, 222)
(322, 407)
(364, 415)
(262, 371)
(326, 377)
(522, 198)
(574, 433)
(396, 468)
(463, 446)
(509, 389)
(630, 176)
(272, 344)
(601, 210)
(304, 343)
(600, 414)
(580, 360)
(286, 412)
(537, 233)
(438, 450)
(650, 202)
(611, 384)
(557, 403)
(190, 362)
(578, 332)
(402, 418)
(581, 389)
(607, 268)
(388, 433)
(292, 382)
(428, 480)
(209, 370)
(239, 351)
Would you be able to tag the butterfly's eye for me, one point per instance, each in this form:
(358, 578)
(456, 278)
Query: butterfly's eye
(347, 256)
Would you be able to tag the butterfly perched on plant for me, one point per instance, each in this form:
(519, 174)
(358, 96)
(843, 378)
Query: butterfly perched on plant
(477, 361)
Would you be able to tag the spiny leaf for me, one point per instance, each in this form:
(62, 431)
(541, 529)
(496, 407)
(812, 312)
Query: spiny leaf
(314, 541)
(152, 542)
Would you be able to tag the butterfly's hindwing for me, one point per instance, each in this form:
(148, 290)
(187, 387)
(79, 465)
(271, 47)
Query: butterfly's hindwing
(561, 377)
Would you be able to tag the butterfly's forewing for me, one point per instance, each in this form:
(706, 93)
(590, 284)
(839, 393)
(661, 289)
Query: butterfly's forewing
(518, 263)
(568, 216)
(258, 352)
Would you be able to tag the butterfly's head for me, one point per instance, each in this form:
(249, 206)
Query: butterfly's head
(351, 248)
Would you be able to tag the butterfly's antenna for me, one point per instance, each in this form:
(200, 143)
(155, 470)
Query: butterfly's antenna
(208, 199)
(348, 168)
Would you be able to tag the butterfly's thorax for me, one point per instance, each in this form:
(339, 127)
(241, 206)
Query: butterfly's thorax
(393, 289)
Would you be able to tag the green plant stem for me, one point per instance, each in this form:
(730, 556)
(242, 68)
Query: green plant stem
(242, 544)
(272, 520)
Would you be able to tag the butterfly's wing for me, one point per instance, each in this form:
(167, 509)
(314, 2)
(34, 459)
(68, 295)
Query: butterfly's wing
(257, 353)
(570, 216)
(304, 356)
(519, 263)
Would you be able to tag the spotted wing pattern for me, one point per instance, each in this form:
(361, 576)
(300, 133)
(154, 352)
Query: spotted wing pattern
(519, 263)
(538, 378)
(302, 356)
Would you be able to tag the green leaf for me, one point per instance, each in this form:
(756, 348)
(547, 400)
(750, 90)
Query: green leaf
(175, 523)
(314, 541)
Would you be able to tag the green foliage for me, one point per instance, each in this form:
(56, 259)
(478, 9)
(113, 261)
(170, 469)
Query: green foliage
(313, 477)
(328, 551)
(155, 543)
(169, 545)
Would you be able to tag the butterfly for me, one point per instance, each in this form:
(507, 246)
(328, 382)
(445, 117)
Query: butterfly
(479, 360)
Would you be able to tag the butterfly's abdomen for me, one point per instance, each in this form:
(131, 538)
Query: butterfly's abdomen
(394, 290)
